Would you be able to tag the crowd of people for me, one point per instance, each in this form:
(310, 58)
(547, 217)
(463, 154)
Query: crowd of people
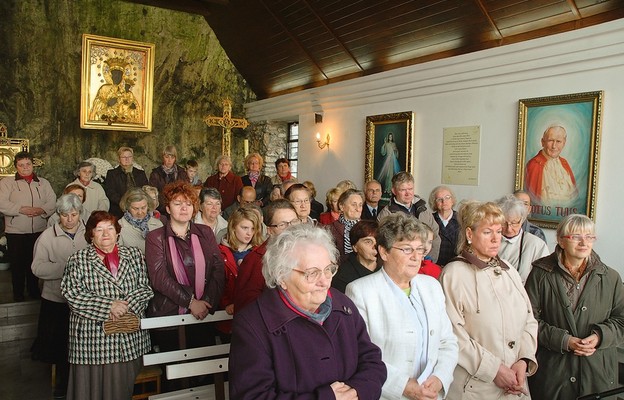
(405, 297)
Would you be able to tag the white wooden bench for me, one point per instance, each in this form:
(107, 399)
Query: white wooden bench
(191, 362)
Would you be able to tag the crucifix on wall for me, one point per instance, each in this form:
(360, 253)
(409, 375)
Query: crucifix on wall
(227, 123)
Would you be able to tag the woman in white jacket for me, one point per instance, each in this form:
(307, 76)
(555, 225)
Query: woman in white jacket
(405, 314)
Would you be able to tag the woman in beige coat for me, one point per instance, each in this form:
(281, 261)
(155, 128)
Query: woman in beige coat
(490, 312)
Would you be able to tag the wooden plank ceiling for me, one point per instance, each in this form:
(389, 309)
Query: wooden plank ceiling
(282, 46)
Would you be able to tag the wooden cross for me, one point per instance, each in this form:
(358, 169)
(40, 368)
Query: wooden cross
(227, 123)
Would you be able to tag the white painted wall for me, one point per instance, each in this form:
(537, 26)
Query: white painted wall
(482, 89)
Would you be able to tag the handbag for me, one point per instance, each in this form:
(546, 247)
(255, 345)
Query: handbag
(127, 323)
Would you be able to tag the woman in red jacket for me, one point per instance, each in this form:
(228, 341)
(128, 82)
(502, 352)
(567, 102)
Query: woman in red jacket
(243, 235)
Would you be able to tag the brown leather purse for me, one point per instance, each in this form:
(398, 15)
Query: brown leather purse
(127, 323)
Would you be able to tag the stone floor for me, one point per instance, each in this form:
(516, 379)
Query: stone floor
(20, 377)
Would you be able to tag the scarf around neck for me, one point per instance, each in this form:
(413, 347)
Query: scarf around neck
(348, 224)
(180, 271)
(171, 173)
(111, 260)
(319, 316)
(140, 224)
(253, 177)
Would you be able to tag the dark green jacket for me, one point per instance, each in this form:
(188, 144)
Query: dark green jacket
(561, 374)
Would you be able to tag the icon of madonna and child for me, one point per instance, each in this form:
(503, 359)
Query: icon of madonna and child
(115, 101)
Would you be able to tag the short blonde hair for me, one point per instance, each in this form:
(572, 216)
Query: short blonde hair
(123, 149)
(251, 156)
(471, 214)
(574, 224)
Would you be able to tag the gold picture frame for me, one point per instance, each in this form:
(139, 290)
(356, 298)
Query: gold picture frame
(9, 147)
(558, 155)
(389, 142)
(117, 84)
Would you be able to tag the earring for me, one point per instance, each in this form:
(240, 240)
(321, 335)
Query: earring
(469, 241)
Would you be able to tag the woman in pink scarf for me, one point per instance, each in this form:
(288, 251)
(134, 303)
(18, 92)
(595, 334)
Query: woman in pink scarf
(185, 268)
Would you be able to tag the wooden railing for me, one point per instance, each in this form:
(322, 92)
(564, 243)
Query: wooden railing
(188, 363)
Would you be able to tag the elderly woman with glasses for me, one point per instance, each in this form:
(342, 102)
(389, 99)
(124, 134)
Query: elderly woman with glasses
(490, 312)
(300, 197)
(301, 339)
(442, 200)
(518, 248)
(579, 304)
(405, 314)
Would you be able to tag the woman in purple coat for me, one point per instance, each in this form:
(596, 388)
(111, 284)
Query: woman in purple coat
(301, 339)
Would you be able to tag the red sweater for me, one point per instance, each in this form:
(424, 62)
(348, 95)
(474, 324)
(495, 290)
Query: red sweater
(428, 267)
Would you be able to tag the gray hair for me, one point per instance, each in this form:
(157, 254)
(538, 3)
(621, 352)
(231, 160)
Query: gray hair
(397, 227)
(170, 150)
(344, 197)
(557, 127)
(221, 158)
(432, 196)
(134, 195)
(575, 223)
(400, 178)
(284, 251)
(68, 202)
(209, 192)
(512, 207)
(84, 164)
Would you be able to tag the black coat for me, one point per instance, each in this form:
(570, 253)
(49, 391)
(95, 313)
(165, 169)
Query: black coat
(448, 236)
(263, 188)
(116, 184)
(350, 269)
(366, 214)
(158, 179)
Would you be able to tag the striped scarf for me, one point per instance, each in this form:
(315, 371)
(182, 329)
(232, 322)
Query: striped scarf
(348, 224)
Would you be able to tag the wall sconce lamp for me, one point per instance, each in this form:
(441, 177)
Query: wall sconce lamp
(325, 143)
(318, 119)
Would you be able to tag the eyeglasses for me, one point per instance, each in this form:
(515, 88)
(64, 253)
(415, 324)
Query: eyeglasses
(442, 199)
(578, 238)
(313, 274)
(512, 224)
(409, 250)
(211, 204)
(300, 202)
(285, 224)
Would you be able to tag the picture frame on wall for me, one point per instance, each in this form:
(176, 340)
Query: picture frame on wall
(117, 84)
(389, 146)
(558, 155)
